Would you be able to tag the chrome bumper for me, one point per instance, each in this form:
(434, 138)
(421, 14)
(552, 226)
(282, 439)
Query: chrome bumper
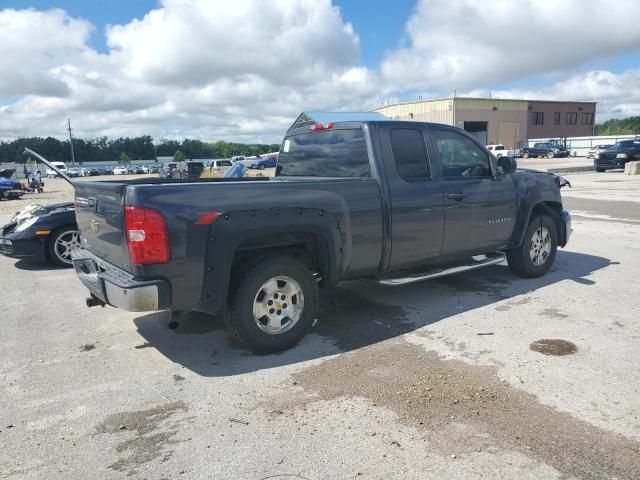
(117, 287)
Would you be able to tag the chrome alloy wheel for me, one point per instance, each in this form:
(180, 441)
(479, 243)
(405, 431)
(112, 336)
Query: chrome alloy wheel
(278, 305)
(540, 246)
(65, 244)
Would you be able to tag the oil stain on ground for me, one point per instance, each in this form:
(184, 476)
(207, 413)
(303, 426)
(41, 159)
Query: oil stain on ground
(437, 396)
(148, 443)
(553, 346)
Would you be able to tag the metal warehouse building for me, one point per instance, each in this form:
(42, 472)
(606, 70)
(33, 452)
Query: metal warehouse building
(493, 120)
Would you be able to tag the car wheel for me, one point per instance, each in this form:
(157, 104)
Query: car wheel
(525, 155)
(61, 243)
(538, 250)
(550, 155)
(599, 169)
(272, 304)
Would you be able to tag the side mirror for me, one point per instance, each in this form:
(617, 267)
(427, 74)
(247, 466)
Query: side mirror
(507, 165)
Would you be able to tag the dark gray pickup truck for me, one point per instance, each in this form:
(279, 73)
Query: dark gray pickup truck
(396, 202)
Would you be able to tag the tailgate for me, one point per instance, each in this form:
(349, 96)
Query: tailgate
(100, 217)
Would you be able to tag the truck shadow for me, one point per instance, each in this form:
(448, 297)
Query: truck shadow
(358, 314)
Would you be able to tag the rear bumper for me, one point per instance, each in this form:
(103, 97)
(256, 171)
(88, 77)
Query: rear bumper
(118, 287)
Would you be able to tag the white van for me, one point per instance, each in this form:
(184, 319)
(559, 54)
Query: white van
(60, 166)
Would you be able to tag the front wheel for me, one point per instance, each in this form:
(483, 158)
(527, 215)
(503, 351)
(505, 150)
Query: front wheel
(550, 155)
(525, 155)
(61, 243)
(272, 304)
(538, 250)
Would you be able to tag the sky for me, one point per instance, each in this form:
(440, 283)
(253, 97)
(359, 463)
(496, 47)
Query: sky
(243, 70)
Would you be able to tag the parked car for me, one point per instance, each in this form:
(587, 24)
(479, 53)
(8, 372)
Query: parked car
(499, 150)
(168, 169)
(10, 188)
(103, 171)
(190, 169)
(238, 158)
(60, 166)
(74, 172)
(257, 249)
(47, 233)
(136, 170)
(264, 162)
(219, 167)
(593, 151)
(617, 156)
(120, 170)
(544, 150)
(155, 168)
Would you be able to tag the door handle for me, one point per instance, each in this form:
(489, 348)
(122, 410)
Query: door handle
(457, 196)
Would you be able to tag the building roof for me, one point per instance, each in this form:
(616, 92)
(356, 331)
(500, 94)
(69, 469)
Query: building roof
(311, 118)
(490, 99)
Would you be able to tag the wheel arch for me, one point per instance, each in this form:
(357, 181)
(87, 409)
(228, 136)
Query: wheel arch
(552, 209)
(313, 236)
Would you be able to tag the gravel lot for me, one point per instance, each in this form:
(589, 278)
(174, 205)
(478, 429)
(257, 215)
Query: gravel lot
(432, 380)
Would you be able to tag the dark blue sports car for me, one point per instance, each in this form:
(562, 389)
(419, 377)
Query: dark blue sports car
(265, 162)
(40, 232)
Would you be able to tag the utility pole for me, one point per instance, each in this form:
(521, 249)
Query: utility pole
(73, 157)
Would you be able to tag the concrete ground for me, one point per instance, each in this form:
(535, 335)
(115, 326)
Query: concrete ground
(557, 165)
(432, 380)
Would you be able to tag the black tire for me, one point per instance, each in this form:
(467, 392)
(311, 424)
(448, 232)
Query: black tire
(519, 259)
(54, 252)
(247, 285)
(600, 170)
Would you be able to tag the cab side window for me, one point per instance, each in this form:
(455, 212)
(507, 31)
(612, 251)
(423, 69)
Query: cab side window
(410, 154)
(460, 157)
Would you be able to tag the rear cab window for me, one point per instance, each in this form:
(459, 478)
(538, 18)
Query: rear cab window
(327, 153)
(410, 154)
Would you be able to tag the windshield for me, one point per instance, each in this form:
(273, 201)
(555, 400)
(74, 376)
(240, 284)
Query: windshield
(327, 153)
(621, 145)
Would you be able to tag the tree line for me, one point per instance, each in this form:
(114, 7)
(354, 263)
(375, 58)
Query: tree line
(623, 126)
(113, 150)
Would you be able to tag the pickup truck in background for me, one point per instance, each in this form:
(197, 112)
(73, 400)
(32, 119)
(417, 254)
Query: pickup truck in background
(548, 150)
(617, 155)
(396, 202)
(499, 150)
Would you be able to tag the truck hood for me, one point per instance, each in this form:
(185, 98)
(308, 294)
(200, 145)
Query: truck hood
(550, 183)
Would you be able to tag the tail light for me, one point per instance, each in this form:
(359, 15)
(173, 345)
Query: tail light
(319, 127)
(147, 236)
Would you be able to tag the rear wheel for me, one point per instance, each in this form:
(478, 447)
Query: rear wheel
(538, 250)
(272, 304)
(550, 155)
(61, 243)
(525, 155)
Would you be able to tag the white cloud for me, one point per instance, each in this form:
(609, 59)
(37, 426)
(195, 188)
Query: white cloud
(244, 70)
(465, 44)
(33, 44)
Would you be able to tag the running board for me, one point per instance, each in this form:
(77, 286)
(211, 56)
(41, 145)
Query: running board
(477, 261)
